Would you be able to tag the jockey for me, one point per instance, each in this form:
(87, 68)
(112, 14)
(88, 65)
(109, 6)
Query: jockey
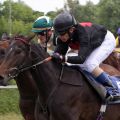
(118, 38)
(42, 27)
(90, 40)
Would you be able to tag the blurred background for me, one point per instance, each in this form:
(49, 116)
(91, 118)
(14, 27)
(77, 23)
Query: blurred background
(17, 17)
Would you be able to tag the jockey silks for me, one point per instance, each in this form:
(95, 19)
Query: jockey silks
(86, 38)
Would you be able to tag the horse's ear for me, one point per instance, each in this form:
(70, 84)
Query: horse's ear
(30, 36)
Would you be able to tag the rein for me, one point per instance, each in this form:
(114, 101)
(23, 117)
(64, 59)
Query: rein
(36, 64)
(26, 68)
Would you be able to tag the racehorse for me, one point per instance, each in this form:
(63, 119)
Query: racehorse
(3, 46)
(64, 92)
(28, 94)
(114, 59)
(26, 87)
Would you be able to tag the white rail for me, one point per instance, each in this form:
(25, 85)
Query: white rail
(8, 86)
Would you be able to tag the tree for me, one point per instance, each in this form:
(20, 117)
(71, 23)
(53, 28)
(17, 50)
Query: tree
(22, 17)
(83, 12)
(109, 13)
(52, 14)
(3, 25)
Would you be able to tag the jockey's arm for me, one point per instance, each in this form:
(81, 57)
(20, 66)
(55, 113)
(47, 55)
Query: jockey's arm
(61, 48)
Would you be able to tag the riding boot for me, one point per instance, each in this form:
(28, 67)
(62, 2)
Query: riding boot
(112, 91)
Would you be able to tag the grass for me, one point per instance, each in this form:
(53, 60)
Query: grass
(9, 105)
(11, 116)
(9, 99)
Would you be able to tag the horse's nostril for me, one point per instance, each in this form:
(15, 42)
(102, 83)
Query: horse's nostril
(2, 83)
(1, 78)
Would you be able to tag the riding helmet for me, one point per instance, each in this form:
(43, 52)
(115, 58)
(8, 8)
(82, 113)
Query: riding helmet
(42, 23)
(118, 31)
(63, 22)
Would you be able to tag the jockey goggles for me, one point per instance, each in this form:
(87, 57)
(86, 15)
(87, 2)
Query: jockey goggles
(43, 33)
(61, 33)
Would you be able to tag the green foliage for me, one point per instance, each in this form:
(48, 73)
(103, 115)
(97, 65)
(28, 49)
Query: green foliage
(106, 12)
(22, 17)
(9, 99)
(51, 14)
(21, 27)
(36, 14)
(3, 24)
(83, 13)
(109, 13)
(86, 13)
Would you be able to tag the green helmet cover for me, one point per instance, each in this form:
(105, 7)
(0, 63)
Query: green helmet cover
(42, 23)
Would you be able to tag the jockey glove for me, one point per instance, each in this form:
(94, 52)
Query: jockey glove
(58, 58)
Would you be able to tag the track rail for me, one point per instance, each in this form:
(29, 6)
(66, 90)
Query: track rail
(8, 87)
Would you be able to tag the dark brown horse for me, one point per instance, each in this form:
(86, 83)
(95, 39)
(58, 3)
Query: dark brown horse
(114, 59)
(3, 46)
(64, 94)
(28, 94)
(26, 87)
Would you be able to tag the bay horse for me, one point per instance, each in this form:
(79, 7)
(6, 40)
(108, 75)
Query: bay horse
(64, 93)
(3, 46)
(114, 59)
(26, 87)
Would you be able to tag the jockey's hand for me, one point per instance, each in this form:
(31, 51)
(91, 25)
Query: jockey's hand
(58, 58)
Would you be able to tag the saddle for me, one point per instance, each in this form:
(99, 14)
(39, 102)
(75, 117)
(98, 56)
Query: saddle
(73, 71)
(72, 74)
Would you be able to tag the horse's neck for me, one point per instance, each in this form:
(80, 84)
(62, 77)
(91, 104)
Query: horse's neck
(46, 76)
(51, 72)
(26, 84)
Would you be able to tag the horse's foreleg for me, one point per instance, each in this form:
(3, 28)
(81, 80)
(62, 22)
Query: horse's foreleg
(27, 107)
(39, 114)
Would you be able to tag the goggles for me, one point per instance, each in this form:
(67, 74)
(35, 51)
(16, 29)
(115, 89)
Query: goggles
(43, 33)
(61, 33)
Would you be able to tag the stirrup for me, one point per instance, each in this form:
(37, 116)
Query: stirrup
(109, 98)
(112, 97)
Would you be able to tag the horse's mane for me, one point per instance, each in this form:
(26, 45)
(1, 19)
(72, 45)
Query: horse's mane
(38, 50)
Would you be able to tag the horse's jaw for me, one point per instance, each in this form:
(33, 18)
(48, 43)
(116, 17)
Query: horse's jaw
(4, 81)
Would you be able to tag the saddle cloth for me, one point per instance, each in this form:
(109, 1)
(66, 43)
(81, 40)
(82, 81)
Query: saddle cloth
(101, 90)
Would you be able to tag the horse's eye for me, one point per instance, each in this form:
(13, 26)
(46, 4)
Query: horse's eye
(18, 50)
(2, 52)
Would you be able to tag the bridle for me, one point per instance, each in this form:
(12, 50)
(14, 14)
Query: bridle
(22, 68)
(19, 70)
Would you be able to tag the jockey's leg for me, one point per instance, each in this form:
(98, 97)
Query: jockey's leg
(96, 58)
(112, 90)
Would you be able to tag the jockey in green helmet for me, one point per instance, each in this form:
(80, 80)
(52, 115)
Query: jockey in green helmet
(42, 27)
